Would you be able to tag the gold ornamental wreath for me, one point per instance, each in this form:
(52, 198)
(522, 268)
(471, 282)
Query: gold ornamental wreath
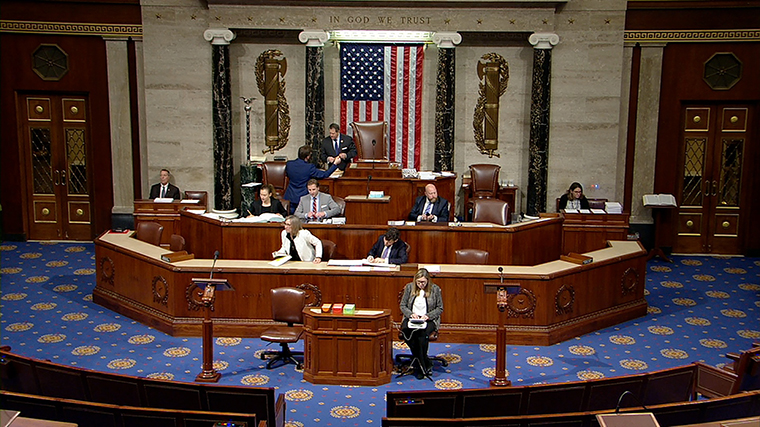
(480, 107)
(283, 110)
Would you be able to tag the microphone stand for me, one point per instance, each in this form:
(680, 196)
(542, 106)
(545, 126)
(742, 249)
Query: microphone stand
(374, 142)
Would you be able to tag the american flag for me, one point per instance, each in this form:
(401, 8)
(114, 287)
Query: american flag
(381, 82)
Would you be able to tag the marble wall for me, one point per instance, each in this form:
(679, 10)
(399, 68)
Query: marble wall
(587, 73)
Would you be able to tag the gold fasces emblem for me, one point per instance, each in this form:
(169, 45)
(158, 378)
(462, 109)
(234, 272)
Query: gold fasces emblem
(493, 72)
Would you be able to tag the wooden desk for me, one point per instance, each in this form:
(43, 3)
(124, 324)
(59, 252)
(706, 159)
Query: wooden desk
(365, 210)
(348, 349)
(527, 243)
(585, 232)
(559, 300)
(166, 214)
(403, 191)
(507, 194)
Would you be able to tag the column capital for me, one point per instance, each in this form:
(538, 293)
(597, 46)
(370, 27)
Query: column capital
(219, 36)
(543, 40)
(446, 39)
(314, 38)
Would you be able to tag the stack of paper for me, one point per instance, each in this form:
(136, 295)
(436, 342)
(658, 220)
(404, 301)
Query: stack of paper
(280, 261)
(613, 207)
(376, 194)
(427, 176)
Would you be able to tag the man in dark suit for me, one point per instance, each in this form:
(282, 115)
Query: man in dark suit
(300, 171)
(164, 189)
(337, 145)
(430, 207)
(389, 249)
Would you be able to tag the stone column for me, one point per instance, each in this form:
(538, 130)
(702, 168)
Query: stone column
(540, 103)
(444, 99)
(222, 110)
(121, 131)
(315, 87)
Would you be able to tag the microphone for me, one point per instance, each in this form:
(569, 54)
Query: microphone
(374, 142)
(369, 178)
(501, 274)
(620, 400)
(216, 257)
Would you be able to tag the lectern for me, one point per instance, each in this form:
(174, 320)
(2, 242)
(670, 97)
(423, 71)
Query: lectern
(202, 293)
(501, 290)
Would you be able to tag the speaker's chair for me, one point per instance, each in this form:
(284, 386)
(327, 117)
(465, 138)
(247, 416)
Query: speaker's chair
(365, 133)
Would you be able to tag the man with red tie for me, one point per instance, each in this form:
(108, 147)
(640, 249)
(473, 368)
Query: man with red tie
(316, 206)
(337, 145)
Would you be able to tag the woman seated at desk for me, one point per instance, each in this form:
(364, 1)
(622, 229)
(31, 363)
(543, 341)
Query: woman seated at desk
(573, 199)
(267, 203)
(298, 242)
(422, 306)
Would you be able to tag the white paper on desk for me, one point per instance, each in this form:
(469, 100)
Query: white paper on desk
(163, 200)
(280, 261)
(427, 176)
(446, 173)
(196, 211)
(344, 262)
(434, 268)
(211, 215)
(598, 211)
(571, 211)
(381, 269)
(368, 312)
(377, 264)
(396, 222)
(359, 268)
(191, 201)
(585, 211)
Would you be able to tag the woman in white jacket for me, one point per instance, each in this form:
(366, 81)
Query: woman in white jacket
(298, 242)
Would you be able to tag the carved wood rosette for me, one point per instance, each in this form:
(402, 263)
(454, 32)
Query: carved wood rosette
(629, 281)
(493, 72)
(522, 304)
(313, 294)
(107, 270)
(564, 299)
(194, 296)
(271, 67)
(160, 290)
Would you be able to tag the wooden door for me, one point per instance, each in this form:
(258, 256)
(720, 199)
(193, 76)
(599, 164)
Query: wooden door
(715, 142)
(55, 140)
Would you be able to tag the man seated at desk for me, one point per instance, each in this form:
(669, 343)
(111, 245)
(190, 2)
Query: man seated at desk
(165, 189)
(300, 171)
(430, 207)
(316, 206)
(389, 249)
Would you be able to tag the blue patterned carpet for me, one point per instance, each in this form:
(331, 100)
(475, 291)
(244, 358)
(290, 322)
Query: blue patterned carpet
(700, 308)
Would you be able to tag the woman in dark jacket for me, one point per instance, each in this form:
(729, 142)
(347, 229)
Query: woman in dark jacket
(422, 306)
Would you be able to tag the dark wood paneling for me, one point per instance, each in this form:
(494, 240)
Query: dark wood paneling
(87, 75)
(84, 11)
(691, 15)
(683, 67)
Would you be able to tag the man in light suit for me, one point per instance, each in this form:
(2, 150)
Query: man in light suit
(164, 189)
(316, 206)
(430, 207)
(337, 145)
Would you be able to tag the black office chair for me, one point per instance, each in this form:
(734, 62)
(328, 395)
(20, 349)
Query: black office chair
(403, 362)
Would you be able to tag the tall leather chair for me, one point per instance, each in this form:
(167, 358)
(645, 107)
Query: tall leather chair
(274, 173)
(150, 232)
(287, 307)
(328, 249)
(202, 196)
(485, 180)
(176, 243)
(471, 256)
(342, 203)
(490, 210)
(365, 133)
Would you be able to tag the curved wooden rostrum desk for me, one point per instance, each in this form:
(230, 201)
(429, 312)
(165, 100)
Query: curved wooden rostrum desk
(559, 299)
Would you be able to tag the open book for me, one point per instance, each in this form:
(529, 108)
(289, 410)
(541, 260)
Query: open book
(659, 200)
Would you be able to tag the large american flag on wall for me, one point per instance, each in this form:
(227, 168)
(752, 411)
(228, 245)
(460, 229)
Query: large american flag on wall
(380, 82)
